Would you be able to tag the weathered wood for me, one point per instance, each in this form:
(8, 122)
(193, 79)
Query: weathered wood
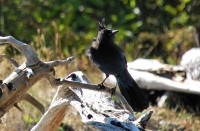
(96, 109)
(53, 117)
(95, 88)
(13, 88)
(35, 103)
(95, 106)
(26, 50)
(12, 61)
(150, 77)
(191, 63)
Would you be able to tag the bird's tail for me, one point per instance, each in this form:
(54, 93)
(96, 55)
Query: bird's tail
(131, 91)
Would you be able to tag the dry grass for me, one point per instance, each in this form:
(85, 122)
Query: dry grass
(165, 119)
(162, 119)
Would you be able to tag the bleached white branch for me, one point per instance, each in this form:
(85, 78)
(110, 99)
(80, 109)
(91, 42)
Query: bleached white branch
(147, 80)
(31, 56)
(53, 117)
(14, 88)
(95, 108)
(95, 88)
(59, 62)
(160, 83)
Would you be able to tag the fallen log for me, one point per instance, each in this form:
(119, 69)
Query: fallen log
(95, 108)
(157, 76)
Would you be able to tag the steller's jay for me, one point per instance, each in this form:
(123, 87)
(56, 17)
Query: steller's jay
(110, 59)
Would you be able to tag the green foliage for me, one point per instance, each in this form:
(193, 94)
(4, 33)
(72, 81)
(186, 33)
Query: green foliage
(66, 27)
(64, 127)
(29, 120)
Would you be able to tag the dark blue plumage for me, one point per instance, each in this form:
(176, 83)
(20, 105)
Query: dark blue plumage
(110, 59)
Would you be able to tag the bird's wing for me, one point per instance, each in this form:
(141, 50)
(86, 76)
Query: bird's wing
(121, 54)
(94, 56)
(88, 51)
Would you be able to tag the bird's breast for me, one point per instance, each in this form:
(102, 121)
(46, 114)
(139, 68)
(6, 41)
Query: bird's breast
(108, 58)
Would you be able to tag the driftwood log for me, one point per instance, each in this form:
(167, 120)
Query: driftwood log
(96, 109)
(151, 74)
(13, 89)
(95, 106)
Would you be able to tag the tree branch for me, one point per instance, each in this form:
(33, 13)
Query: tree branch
(31, 56)
(96, 108)
(59, 62)
(35, 103)
(107, 90)
(12, 61)
(14, 89)
(157, 76)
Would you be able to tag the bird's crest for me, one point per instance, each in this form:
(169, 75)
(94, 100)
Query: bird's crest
(101, 24)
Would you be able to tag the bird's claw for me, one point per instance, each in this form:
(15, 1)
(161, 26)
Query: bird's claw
(101, 86)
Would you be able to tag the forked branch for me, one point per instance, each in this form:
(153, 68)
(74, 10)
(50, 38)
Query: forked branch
(14, 89)
(96, 108)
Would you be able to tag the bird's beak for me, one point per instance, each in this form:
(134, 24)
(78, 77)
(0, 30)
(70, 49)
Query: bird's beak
(114, 32)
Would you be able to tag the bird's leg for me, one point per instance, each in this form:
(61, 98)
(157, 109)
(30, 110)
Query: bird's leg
(113, 89)
(101, 85)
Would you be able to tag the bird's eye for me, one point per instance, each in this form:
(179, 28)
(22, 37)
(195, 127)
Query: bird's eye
(107, 31)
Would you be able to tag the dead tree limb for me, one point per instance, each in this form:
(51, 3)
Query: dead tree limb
(12, 61)
(157, 76)
(13, 89)
(96, 108)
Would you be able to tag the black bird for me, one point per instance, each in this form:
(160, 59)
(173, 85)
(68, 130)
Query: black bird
(110, 59)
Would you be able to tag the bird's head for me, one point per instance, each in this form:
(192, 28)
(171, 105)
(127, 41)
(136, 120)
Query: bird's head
(104, 34)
